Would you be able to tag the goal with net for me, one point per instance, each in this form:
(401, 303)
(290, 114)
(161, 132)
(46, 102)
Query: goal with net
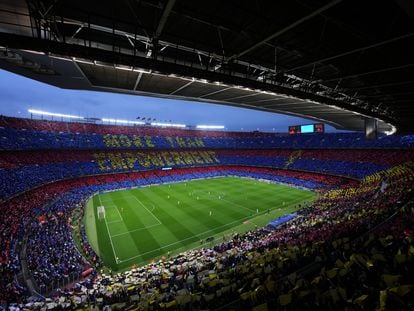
(101, 212)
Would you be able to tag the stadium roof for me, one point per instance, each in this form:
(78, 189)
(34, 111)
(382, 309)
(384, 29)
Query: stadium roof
(335, 61)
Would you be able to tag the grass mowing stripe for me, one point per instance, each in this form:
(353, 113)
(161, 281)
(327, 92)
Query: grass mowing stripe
(119, 214)
(115, 222)
(90, 227)
(133, 210)
(243, 203)
(172, 229)
(194, 210)
(173, 216)
(192, 237)
(126, 243)
(109, 233)
(159, 222)
(245, 226)
(134, 230)
(239, 205)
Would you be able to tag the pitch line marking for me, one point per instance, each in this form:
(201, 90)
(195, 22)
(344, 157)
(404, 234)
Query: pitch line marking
(159, 221)
(235, 204)
(114, 205)
(191, 237)
(109, 233)
(107, 201)
(114, 222)
(196, 235)
(121, 261)
(224, 194)
(139, 229)
(117, 209)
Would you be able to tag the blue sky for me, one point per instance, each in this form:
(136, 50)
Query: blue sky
(18, 94)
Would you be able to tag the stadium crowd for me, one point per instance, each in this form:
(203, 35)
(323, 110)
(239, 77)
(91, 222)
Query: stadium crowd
(46, 210)
(20, 171)
(27, 134)
(339, 242)
(352, 248)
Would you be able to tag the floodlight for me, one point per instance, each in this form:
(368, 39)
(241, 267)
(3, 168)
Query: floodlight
(216, 127)
(168, 124)
(61, 115)
(122, 121)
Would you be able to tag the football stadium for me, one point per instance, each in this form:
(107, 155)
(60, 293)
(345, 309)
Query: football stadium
(206, 155)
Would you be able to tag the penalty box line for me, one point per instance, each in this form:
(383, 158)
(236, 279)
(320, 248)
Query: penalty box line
(135, 230)
(152, 214)
(109, 234)
(191, 237)
(114, 205)
(122, 219)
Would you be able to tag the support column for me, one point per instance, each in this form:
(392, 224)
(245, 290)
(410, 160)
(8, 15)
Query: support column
(371, 128)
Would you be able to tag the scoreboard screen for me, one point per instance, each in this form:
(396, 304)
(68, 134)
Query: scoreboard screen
(307, 128)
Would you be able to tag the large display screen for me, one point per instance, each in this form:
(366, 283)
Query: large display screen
(307, 128)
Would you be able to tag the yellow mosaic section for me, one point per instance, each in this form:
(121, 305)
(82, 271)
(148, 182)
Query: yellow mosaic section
(134, 141)
(108, 161)
(373, 182)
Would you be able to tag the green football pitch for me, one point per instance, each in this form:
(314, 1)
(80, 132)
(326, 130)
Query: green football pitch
(144, 224)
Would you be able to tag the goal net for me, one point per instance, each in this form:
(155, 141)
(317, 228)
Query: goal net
(101, 212)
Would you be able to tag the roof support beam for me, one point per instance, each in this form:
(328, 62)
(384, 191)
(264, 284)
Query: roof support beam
(221, 27)
(269, 100)
(383, 95)
(138, 20)
(215, 92)
(163, 20)
(182, 87)
(280, 104)
(286, 29)
(351, 52)
(383, 85)
(202, 76)
(244, 96)
(356, 75)
(397, 101)
(137, 81)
